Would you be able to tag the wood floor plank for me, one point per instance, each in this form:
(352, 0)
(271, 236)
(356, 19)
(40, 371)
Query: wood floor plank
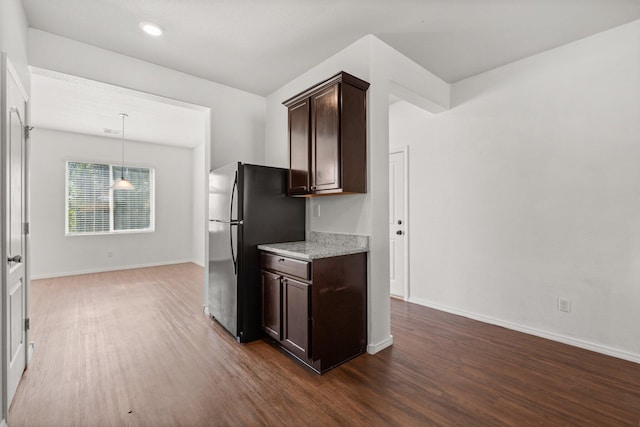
(133, 348)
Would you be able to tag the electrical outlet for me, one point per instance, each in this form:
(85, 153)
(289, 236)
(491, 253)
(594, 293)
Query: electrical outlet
(564, 304)
(109, 254)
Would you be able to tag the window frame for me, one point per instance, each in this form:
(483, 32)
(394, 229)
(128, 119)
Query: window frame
(112, 231)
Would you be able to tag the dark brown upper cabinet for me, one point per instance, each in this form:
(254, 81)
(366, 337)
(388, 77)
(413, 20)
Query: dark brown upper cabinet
(328, 138)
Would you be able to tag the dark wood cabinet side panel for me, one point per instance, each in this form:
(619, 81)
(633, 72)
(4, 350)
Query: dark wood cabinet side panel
(296, 317)
(339, 308)
(325, 139)
(271, 305)
(299, 148)
(353, 139)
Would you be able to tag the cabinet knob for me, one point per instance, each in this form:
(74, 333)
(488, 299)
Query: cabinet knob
(281, 260)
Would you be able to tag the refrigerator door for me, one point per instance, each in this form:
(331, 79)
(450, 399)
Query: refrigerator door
(269, 216)
(224, 230)
(223, 193)
(223, 279)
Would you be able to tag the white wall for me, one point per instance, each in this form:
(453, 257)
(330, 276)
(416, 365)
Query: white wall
(380, 65)
(237, 117)
(54, 254)
(237, 124)
(13, 38)
(528, 189)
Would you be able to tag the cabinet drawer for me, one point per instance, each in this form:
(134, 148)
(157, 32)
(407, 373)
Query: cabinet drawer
(290, 266)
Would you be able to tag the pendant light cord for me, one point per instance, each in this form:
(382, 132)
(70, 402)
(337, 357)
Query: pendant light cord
(123, 115)
(122, 183)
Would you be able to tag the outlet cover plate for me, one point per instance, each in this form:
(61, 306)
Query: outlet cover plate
(564, 304)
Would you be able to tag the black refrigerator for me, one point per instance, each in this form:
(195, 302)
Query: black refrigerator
(248, 206)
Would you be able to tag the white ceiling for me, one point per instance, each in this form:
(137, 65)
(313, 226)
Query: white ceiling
(78, 105)
(259, 45)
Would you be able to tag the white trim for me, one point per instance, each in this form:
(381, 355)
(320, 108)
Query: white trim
(148, 96)
(14, 75)
(3, 423)
(205, 216)
(413, 98)
(108, 233)
(27, 208)
(3, 253)
(381, 345)
(576, 342)
(404, 149)
(107, 269)
(134, 164)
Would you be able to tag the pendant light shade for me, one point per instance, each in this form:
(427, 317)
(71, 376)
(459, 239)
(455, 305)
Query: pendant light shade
(122, 184)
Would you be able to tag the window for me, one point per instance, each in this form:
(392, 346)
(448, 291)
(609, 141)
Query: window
(92, 207)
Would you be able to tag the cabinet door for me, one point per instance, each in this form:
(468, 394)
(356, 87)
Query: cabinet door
(325, 139)
(299, 148)
(272, 304)
(296, 317)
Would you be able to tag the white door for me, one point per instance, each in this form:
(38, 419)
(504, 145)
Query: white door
(15, 240)
(397, 224)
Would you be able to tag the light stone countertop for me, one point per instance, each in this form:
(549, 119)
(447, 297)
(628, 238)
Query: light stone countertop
(320, 245)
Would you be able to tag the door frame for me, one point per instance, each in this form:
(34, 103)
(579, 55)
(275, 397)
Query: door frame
(8, 71)
(404, 150)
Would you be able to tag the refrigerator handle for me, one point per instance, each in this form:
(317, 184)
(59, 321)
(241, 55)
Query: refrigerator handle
(233, 193)
(233, 255)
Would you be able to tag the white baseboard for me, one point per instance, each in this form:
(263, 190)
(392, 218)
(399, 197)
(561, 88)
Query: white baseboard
(106, 269)
(576, 342)
(381, 345)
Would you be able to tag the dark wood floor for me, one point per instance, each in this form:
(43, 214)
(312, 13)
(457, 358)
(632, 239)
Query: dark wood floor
(133, 348)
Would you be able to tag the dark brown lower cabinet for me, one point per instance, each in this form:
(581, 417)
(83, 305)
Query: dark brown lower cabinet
(296, 316)
(316, 310)
(271, 298)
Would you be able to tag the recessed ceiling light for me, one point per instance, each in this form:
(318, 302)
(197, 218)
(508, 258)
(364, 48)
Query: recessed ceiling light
(151, 28)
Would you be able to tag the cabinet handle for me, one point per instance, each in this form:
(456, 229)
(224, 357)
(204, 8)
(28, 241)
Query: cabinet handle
(314, 188)
(281, 260)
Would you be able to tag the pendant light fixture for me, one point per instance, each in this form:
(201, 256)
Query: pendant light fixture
(122, 184)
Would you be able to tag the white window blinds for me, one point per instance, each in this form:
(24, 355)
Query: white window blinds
(94, 208)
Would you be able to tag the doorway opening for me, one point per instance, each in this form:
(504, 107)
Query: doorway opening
(399, 222)
(407, 110)
(77, 119)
